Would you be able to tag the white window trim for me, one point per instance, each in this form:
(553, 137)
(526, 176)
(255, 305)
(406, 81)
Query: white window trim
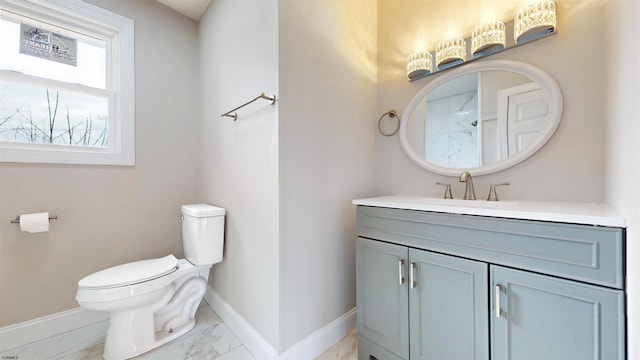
(121, 150)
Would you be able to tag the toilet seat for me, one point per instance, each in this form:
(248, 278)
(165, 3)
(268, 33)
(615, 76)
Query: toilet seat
(105, 294)
(131, 273)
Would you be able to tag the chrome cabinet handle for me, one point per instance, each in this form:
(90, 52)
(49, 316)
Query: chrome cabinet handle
(412, 280)
(498, 301)
(400, 267)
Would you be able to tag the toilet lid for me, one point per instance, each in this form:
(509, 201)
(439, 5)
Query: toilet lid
(130, 273)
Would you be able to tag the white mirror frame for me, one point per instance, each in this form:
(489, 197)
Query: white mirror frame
(541, 77)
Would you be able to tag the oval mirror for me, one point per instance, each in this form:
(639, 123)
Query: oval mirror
(483, 117)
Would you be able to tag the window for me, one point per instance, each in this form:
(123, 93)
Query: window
(66, 84)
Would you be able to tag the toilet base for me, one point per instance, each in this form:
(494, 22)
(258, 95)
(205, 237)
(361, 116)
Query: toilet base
(137, 331)
(117, 350)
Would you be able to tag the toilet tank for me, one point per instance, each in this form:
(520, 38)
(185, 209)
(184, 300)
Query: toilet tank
(203, 233)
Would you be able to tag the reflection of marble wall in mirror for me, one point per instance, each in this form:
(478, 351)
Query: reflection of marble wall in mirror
(451, 137)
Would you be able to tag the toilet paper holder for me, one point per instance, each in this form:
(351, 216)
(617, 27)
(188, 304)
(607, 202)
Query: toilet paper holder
(17, 219)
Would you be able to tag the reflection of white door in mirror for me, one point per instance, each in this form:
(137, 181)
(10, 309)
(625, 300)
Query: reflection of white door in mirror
(522, 112)
(493, 132)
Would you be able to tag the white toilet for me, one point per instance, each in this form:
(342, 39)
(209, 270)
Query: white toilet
(152, 302)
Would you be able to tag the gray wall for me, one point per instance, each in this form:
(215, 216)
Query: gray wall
(238, 166)
(108, 215)
(570, 167)
(327, 124)
(623, 127)
(286, 174)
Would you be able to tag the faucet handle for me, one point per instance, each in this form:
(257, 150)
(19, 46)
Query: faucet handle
(447, 190)
(493, 195)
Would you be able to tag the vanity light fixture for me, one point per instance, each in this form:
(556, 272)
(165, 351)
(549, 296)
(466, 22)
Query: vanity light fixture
(419, 64)
(535, 21)
(488, 38)
(450, 53)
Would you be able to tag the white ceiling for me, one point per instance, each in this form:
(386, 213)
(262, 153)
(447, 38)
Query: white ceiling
(191, 8)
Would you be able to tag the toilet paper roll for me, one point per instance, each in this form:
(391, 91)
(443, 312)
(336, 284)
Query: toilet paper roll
(34, 223)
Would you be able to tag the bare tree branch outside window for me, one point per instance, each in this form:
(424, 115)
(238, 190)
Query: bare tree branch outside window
(35, 119)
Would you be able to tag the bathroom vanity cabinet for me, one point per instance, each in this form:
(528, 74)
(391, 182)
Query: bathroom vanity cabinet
(434, 285)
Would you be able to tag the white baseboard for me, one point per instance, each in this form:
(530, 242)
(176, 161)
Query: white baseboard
(309, 348)
(257, 346)
(23, 333)
(322, 339)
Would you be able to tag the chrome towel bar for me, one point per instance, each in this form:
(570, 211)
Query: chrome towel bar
(261, 96)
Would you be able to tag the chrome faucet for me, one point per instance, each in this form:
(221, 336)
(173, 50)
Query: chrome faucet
(469, 193)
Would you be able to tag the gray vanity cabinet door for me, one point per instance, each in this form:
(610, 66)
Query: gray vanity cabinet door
(382, 297)
(448, 317)
(542, 317)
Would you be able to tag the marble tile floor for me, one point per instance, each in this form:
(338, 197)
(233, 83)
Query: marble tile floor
(346, 349)
(209, 339)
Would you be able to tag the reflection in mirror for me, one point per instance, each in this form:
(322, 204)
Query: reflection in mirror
(485, 119)
(443, 126)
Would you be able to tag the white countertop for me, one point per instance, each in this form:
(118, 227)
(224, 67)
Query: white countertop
(566, 212)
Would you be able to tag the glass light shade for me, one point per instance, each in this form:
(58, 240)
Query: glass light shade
(535, 21)
(451, 52)
(419, 64)
(488, 38)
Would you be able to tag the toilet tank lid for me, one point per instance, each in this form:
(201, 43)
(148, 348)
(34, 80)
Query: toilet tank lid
(202, 210)
(130, 273)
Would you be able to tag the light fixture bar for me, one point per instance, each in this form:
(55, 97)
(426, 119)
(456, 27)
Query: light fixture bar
(533, 22)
